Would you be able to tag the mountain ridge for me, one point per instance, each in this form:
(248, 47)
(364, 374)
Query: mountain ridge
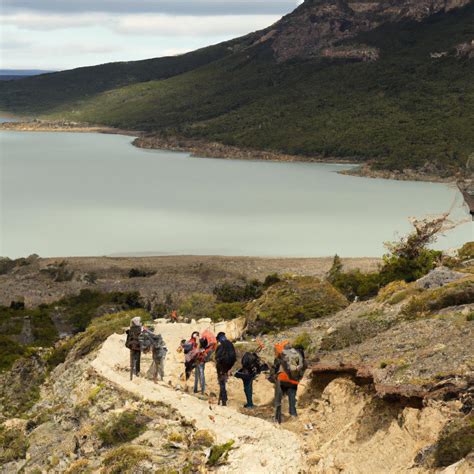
(397, 94)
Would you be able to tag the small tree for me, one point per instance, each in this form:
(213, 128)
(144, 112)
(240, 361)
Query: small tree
(335, 270)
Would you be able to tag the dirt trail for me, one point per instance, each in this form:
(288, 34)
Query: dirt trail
(262, 447)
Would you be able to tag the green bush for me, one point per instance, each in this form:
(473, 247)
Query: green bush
(219, 453)
(10, 351)
(303, 340)
(197, 306)
(13, 444)
(466, 252)
(292, 302)
(227, 311)
(122, 428)
(140, 273)
(238, 292)
(125, 460)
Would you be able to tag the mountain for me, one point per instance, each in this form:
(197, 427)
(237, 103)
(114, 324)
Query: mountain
(13, 74)
(384, 81)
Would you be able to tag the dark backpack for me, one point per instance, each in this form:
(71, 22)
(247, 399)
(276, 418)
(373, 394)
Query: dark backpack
(250, 361)
(225, 356)
(133, 338)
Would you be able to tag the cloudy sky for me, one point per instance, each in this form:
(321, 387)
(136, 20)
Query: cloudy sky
(62, 34)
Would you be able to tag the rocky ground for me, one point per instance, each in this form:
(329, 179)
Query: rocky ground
(389, 389)
(181, 275)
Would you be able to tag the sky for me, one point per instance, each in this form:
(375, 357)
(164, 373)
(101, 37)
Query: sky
(63, 34)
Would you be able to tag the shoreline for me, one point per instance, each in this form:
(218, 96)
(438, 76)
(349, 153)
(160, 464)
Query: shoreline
(199, 148)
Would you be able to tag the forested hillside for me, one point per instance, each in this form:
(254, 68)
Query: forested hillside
(401, 94)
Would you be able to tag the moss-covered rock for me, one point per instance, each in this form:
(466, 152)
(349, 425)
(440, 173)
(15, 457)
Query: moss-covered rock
(453, 294)
(291, 302)
(455, 441)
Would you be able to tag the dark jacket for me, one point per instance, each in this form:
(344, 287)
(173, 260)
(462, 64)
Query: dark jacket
(225, 356)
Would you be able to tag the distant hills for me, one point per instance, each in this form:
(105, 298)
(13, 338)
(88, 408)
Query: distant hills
(389, 82)
(12, 74)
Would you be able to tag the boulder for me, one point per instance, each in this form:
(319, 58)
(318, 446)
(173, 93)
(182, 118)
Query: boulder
(439, 277)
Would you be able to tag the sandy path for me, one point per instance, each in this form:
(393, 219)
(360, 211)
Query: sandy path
(262, 446)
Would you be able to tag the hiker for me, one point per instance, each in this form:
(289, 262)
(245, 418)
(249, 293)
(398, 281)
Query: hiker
(150, 340)
(174, 316)
(252, 366)
(286, 373)
(207, 346)
(133, 344)
(190, 349)
(225, 360)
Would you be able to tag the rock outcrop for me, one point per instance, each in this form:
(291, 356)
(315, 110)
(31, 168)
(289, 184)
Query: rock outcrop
(316, 26)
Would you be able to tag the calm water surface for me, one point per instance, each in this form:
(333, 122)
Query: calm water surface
(65, 194)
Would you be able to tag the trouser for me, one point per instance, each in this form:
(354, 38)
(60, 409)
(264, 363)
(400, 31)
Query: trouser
(282, 389)
(222, 379)
(157, 368)
(199, 378)
(134, 362)
(248, 390)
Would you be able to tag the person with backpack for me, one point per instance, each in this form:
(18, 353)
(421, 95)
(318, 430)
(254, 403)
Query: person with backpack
(252, 366)
(150, 340)
(207, 346)
(225, 360)
(133, 344)
(287, 371)
(190, 349)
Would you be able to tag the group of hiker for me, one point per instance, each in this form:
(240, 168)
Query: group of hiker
(286, 372)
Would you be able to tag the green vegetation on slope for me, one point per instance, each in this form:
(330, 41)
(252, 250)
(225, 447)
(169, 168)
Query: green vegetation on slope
(404, 110)
(77, 310)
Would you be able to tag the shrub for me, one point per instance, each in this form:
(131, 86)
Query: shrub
(198, 305)
(58, 272)
(407, 260)
(227, 311)
(235, 292)
(13, 444)
(125, 459)
(91, 278)
(122, 428)
(388, 291)
(100, 329)
(203, 438)
(140, 273)
(466, 252)
(455, 442)
(355, 283)
(219, 453)
(303, 340)
(6, 265)
(292, 302)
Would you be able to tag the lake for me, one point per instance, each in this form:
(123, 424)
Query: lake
(72, 194)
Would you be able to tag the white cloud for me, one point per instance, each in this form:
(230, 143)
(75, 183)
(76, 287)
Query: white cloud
(165, 25)
(143, 24)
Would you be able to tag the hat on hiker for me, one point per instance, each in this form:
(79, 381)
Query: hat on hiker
(280, 346)
(221, 336)
(136, 321)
